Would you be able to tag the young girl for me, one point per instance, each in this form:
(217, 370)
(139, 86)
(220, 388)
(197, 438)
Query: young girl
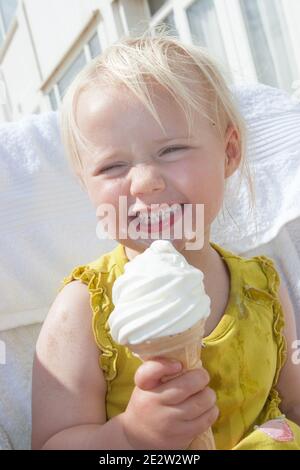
(153, 121)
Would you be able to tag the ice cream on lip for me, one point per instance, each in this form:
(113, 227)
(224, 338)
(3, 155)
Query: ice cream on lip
(160, 294)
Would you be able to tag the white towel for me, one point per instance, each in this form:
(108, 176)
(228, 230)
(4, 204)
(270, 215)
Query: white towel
(15, 384)
(273, 152)
(4, 440)
(47, 223)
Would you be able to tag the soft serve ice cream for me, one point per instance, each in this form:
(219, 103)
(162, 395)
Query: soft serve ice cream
(160, 294)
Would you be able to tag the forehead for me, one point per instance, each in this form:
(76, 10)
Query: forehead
(108, 111)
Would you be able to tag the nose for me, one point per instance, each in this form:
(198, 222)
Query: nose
(146, 179)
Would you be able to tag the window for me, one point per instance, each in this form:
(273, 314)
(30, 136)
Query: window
(94, 46)
(155, 5)
(205, 28)
(7, 11)
(91, 49)
(164, 15)
(170, 22)
(71, 73)
(53, 100)
(268, 41)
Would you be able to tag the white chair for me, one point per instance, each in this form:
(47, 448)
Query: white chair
(48, 226)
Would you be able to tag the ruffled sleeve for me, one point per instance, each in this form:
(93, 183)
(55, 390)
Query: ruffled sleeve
(101, 307)
(273, 280)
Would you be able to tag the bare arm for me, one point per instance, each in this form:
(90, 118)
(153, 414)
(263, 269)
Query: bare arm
(68, 395)
(288, 384)
(68, 400)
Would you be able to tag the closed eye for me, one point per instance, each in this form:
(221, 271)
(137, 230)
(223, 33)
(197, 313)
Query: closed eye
(165, 151)
(172, 149)
(111, 167)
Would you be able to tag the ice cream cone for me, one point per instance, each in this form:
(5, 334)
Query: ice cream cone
(186, 348)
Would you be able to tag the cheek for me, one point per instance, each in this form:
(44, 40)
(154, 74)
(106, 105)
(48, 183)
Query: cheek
(214, 195)
(104, 192)
(205, 185)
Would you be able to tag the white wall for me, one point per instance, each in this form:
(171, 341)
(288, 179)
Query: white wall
(55, 25)
(20, 71)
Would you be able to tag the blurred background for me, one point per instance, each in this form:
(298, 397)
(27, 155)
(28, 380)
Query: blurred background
(44, 43)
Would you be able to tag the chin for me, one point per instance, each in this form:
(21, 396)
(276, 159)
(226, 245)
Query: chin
(141, 245)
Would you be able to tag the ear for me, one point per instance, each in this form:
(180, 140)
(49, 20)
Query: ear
(232, 150)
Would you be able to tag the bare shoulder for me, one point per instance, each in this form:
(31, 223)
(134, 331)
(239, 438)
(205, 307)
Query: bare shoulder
(68, 387)
(67, 328)
(70, 309)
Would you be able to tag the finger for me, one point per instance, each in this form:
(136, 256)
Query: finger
(150, 373)
(197, 405)
(180, 388)
(201, 424)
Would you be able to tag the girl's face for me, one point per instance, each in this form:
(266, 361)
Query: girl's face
(134, 158)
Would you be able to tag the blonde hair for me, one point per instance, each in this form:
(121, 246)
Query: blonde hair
(140, 62)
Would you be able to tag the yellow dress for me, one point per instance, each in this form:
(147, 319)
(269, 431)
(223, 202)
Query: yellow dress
(243, 354)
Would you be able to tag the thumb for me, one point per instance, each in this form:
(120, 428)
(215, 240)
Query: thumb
(150, 373)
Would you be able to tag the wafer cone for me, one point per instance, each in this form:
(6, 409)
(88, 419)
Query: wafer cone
(186, 348)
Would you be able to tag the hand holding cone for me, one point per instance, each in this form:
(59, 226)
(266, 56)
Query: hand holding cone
(186, 348)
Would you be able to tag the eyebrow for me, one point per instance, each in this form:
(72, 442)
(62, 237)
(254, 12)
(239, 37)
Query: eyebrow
(104, 157)
(167, 139)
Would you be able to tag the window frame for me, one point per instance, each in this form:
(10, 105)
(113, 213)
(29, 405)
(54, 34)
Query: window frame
(161, 14)
(187, 4)
(149, 8)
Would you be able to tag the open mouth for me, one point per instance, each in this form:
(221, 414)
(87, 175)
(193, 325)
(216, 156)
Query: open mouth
(158, 221)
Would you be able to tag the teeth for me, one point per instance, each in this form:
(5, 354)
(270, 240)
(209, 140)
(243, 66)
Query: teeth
(153, 218)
